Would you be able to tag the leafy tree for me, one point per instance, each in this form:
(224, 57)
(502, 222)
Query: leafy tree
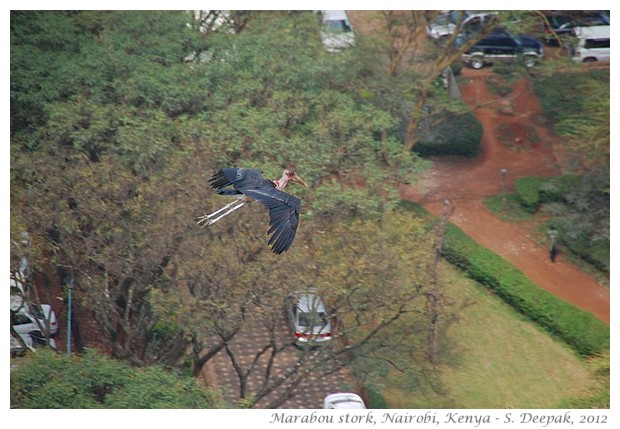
(420, 63)
(590, 134)
(407, 50)
(365, 301)
(110, 174)
(583, 214)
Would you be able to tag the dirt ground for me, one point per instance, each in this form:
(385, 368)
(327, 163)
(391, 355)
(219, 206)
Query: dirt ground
(515, 139)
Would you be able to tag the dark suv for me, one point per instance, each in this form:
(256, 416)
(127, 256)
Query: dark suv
(501, 46)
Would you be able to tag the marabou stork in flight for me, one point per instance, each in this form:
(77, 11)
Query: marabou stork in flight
(246, 185)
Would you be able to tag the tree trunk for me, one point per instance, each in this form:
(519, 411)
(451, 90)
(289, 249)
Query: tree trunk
(435, 295)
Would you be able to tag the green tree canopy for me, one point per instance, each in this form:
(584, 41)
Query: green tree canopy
(110, 155)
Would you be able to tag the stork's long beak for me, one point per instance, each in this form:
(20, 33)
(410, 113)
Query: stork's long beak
(298, 179)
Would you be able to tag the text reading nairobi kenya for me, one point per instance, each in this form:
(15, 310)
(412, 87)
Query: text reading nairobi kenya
(431, 417)
(428, 417)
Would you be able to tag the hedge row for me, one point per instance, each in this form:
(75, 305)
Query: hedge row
(578, 328)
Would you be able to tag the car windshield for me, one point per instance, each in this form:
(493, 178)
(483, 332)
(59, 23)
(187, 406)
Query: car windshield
(455, 15)
(37, 312)
(559, 21)
(339, 26)
(347, 403)
(595, 20)
(441, 19)
(312, 319)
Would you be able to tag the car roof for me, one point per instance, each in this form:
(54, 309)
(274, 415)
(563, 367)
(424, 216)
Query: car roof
(334, 15)
(345, 400)
(596, 32)
(309, 300)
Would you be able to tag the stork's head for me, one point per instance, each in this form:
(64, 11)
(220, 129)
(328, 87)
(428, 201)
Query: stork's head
(287, 176)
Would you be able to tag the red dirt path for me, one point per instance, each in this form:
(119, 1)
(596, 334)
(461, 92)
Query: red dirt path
(466, 182)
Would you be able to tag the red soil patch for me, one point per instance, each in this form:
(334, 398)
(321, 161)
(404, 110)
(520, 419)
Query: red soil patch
(517, 141)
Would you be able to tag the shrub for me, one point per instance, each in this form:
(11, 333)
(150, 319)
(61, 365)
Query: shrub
(455, 135)
(573, 216)
(554, 189)
(94, 380)
(534, 191)
(375, 398)
(558, 103)
(528, 191)
(596, 253)
(578, 328)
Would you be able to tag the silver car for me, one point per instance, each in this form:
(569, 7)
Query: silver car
(308, 318)
(31, 321)
(344, 400)
(442, 26)
(336, 30)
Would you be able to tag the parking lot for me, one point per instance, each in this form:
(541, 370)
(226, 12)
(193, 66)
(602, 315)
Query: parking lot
(308, 395)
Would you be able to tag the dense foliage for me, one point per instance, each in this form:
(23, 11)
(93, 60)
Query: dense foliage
(93, 380)
(560, 104)
(580, 209)
(532, 191)
(119, 119)
(456, 135)
(582, 115)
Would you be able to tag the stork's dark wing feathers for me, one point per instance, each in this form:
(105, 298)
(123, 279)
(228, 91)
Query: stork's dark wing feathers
(283, 208)
(283, 215)
(219, 180)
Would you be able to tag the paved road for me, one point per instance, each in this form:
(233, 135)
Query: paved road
(308, 395)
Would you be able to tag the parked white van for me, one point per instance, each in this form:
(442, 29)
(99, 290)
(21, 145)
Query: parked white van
(592, 44)
(336, 30)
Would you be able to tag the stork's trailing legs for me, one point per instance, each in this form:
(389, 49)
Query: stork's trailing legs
(207, 220)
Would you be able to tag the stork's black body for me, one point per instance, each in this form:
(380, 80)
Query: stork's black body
(247, 184)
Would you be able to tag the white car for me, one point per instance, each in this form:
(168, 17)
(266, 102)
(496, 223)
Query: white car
(337, 401)
(308, 318)
(17, 349)
(336, 30)
(17, 295)
(31, 321)
(592, 44)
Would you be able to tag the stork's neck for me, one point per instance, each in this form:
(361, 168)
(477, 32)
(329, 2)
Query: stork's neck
(281, 182)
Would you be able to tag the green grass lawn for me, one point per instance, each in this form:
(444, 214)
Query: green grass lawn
(508, 208)
(496, 359)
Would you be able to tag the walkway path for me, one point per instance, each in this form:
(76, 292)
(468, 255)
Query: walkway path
(466, 182)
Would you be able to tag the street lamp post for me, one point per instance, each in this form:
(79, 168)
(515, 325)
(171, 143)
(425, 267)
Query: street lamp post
(503, 171)
(70, 287)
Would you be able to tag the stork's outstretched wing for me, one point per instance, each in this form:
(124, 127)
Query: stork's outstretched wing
(238, 178)
(283, 208)
(283, 215)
